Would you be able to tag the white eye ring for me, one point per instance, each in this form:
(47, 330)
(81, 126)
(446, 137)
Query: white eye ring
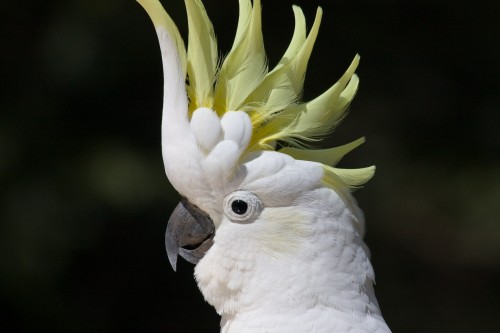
(242, 206)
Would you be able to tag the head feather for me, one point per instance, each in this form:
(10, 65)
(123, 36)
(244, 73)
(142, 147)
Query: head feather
(270, 98)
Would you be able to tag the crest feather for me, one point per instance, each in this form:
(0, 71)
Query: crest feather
(311, 120)
(161, 19)
(282, 87)
(201, 56)
(353, 178)
(330, 156)
(245, 66)
(271, 99)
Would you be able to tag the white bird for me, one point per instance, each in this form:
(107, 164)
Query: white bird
(271, 224)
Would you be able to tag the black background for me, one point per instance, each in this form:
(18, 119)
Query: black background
(84, 200)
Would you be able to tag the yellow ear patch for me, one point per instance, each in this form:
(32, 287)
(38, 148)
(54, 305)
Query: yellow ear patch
(284, 228)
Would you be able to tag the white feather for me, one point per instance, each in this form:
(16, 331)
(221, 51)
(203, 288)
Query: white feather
(301, 266)
(237, 127)
(205, 124)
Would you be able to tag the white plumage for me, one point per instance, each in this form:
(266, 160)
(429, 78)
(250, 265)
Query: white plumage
(276, 235)
(299, 265)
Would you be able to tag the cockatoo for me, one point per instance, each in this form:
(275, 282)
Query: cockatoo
(270, 223)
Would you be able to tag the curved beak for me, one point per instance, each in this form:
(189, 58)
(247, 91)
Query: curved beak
(190, 233)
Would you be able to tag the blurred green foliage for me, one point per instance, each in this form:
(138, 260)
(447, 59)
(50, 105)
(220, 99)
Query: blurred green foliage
(84, 201)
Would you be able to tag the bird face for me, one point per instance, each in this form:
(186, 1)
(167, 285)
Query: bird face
(269, 222)
(220, 131)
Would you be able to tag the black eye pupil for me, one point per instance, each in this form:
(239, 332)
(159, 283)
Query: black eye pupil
(239, 207)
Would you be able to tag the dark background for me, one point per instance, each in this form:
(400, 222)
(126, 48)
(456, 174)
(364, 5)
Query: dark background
(84, 201)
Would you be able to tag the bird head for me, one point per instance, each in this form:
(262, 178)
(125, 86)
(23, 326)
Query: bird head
(236, 141)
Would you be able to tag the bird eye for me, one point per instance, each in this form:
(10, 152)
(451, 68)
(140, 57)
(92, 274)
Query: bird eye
(242, 206)
(239, 207)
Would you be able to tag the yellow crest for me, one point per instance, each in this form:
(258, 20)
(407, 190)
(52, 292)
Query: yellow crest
(242, 81)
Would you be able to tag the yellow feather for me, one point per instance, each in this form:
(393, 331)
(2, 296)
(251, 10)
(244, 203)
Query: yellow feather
(300, 64)
(283, 86)
(317, 118)
(271, 99)
(201, 56)
(298, 38)
(161, 19)
(352, 178)
(329, 156)
(245, 66)
(245, 14)
(277, 91)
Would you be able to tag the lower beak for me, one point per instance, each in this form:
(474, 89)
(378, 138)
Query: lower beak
(190, 233)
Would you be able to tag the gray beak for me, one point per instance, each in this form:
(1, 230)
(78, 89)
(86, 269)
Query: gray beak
(190, 233)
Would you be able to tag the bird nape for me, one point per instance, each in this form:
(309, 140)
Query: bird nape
(273, 229)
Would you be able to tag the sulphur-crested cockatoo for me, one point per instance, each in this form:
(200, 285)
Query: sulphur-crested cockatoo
(271, 225)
